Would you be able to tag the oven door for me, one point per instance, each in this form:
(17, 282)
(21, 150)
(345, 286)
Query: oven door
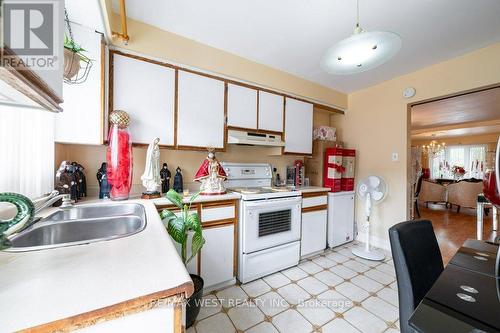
(269, 223)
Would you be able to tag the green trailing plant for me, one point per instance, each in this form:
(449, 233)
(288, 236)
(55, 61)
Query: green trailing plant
(181, 227)
(75, 48)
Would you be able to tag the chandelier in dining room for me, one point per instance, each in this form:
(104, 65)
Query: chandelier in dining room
(434, 148)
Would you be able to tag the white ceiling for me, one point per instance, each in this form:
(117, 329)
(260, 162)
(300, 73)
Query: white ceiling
(292, 35)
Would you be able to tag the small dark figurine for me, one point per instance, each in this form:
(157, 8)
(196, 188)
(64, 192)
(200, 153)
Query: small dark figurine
(70, 181)
(79, 179)
(178, 187)
(63, 179)
(165, 176)
(83, 183)
(102, 178)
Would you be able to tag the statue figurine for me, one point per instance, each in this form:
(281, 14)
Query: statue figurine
(102, 178)
(211, 175)
(63, 179)
(165, 176)
(78, 179)
(178, 187)
(73, 182)
(83, 183)
(151, 176)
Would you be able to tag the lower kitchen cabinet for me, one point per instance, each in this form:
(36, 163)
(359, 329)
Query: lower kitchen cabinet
(313, 232)
(217, 255)
(314, 221)
(216, 262)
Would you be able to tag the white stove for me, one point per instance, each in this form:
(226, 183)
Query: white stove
(269, 221)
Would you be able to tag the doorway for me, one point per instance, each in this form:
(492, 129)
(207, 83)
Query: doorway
(453, 142)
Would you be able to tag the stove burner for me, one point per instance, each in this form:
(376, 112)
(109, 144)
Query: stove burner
(248, 190)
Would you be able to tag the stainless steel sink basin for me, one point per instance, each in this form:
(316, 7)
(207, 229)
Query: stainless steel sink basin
(81, 225)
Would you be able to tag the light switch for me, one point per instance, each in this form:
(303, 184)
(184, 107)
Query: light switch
(395, 157)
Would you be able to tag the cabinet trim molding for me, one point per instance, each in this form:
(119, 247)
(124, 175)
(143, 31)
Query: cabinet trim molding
(314, 208)
(315, 194)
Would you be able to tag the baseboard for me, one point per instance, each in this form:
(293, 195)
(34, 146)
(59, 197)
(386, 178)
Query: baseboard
(375, 241)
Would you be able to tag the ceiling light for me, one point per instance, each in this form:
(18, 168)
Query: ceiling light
(362, 51)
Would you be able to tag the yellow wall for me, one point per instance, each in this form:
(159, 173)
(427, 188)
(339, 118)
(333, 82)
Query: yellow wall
(462, 140)
(148, 40)
(490, 140)
(377, 124)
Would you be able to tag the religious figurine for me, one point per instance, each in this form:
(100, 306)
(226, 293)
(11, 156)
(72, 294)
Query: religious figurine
(63, 180)
(102, 178)
(72, 181)
(211, 175)
(83, 183)
(165, 176)
(151, 176)
(178, 186)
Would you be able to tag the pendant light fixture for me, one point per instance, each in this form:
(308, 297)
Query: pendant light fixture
(362, 51)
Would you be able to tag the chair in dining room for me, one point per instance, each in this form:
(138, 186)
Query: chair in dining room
(418, 264)
(418, 188)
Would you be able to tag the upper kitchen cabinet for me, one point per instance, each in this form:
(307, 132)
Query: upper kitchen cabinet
(200, 113)
(270, 112)
(81, 121)
(298, 127)
(145, 89)
(241, 107)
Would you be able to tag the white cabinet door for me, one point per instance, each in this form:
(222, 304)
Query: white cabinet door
(146, 92)
(200, 111)
(313, 232)
(241, 106)
(298, 126)
(270, 112)
(81, 121)
(340, 218)
(217, 255)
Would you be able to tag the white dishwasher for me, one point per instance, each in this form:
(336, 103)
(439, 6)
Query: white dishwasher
(340, 228)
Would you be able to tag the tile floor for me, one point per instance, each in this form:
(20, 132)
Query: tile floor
(331, 292)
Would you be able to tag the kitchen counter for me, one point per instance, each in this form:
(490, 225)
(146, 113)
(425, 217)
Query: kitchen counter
(67, 286)
(201, 198)
(312, 189)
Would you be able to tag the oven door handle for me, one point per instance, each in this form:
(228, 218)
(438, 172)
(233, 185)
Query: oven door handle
(284, 202)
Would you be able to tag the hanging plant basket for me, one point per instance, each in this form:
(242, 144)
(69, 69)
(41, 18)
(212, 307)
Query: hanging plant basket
(76, 65)
(71, 64)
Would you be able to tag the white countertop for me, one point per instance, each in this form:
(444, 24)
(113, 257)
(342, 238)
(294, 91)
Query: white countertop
(311, 189)
(44, 286)
(201, 198)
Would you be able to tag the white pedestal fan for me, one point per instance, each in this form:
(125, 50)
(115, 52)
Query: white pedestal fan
(372, 190)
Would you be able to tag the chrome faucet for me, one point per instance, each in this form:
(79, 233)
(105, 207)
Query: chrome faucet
(50, 199)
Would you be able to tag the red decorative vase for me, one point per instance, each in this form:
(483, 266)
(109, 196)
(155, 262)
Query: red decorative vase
(119, 156)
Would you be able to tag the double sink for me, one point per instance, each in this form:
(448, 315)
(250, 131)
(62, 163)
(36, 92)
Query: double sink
(81, 224)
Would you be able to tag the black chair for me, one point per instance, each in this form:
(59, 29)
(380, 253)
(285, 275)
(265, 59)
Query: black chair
(418, 263)
(418, 188)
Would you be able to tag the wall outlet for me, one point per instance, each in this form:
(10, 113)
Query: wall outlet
(395, 157)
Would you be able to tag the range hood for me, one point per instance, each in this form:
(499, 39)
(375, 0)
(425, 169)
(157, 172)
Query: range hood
(254, 139)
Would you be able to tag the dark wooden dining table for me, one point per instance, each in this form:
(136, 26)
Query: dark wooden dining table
(466, 296)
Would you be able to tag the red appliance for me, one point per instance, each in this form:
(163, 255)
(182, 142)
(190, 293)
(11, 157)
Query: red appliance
(491, 180)
(332, 172)
(348, 159)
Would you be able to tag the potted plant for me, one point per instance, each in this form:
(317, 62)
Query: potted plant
(184, 227)
(73, 55)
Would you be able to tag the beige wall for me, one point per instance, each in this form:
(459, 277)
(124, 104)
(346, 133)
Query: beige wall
(490, 140)
(462, 140)
(377, 124)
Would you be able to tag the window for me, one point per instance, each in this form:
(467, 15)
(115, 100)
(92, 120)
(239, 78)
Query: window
(471, 157)
(27, 150)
